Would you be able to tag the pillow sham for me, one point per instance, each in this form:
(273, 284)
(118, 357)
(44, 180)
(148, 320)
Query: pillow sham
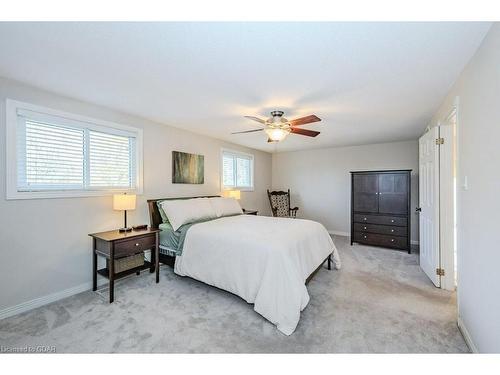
(164, 218)
(184, 211)
(226, 206)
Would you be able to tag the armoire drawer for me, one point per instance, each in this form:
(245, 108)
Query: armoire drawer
(396, 242)
(380, 219)
(380, 229)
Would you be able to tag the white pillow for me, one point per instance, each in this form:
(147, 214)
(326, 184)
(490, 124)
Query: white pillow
(226, 206)
(183, 211)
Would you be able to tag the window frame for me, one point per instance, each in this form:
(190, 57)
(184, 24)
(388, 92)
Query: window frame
(11, 129)
(252, 170)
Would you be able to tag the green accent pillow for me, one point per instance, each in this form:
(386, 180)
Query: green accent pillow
(163, 215)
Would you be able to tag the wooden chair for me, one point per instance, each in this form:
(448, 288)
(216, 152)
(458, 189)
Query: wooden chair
(280, 204)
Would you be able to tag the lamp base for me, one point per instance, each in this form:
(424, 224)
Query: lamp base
(122, 230)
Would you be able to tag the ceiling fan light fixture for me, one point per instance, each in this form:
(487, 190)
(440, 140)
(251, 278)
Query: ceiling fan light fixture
(277, 134)
(278, 127)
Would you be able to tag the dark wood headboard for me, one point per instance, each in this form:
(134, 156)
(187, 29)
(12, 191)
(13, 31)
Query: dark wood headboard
(154, 214)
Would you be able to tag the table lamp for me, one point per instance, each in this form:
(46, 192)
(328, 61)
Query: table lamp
(236, 194)
(124, 202)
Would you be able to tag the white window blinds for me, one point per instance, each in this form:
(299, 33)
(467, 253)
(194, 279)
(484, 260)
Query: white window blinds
(228, 170)
(56, 153)
(237, 170)
(50, 157)
(243, 171)
(110, 160)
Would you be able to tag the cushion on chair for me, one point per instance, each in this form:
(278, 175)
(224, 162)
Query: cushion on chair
(280, 202)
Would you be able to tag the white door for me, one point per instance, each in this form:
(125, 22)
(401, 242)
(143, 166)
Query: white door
(447, 204)
(429, 204)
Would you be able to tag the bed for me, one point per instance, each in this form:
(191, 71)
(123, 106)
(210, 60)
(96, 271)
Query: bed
(266, 261)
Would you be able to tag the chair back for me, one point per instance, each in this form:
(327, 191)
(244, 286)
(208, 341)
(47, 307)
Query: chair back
(280, 203)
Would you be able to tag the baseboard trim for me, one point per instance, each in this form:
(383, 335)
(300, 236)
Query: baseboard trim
(41, 301)
(466, 335)
(339, 233)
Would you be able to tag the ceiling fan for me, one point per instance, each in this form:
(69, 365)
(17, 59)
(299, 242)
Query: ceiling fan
(277, 127)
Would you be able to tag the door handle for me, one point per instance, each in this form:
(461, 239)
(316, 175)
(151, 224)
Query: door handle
(418, 209)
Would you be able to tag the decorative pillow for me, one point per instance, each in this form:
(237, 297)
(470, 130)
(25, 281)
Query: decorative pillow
(226, 206)
(184, 211)
(164, 218)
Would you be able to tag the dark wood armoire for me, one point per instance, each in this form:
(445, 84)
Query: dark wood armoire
(380, 208)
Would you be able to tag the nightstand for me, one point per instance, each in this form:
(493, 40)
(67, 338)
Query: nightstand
(115, 245)
(250, 212)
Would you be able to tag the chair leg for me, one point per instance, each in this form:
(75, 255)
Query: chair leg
(330, 261)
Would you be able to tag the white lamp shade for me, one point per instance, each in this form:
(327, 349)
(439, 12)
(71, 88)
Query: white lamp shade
(236, 194)
(276, 134)
(122, 202)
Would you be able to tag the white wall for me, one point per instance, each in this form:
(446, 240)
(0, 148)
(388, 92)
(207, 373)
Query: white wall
(478, 207)
(44, 247)
(320, 184)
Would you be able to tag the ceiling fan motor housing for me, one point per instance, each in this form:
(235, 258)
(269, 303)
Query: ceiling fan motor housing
(277, 118)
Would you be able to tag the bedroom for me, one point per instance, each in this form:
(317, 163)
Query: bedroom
(201, 133)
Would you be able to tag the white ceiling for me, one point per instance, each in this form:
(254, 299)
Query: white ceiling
(369, 82)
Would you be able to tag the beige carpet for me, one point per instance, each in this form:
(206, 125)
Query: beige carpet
(379, 302)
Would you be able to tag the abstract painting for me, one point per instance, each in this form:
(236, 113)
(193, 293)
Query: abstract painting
(187, 168)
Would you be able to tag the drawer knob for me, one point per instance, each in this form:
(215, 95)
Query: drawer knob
(365, 227)
(392, 239)
(364, 218)
(136, 244)
(392, 230)
(364, 236)
(392, 221)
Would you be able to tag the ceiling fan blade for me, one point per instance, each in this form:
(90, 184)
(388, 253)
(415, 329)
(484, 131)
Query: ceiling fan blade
(248, 131)
(304, 120)
(309, 133)
(256, 119)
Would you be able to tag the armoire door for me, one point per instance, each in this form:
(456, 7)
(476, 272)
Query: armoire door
(393, 193)
(365, 191)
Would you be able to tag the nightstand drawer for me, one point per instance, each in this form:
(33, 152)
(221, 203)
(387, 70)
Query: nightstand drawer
(134, 245)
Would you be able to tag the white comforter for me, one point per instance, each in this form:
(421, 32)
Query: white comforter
(264, 260)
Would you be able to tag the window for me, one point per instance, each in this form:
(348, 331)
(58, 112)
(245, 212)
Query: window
(54, 154)
(237, 170)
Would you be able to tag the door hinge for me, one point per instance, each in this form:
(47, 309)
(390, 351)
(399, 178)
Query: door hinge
(439, 141)
(440, 271)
